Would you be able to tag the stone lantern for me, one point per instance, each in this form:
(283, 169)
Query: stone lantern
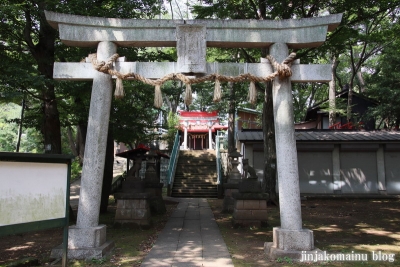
(234, 175)
(151, 173)
(133, 209)
(231, 186)
(153, 186)
(250, 203)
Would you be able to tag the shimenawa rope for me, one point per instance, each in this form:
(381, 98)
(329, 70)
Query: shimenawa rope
(282, 71)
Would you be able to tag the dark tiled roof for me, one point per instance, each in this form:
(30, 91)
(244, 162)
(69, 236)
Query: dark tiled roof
(341, 136)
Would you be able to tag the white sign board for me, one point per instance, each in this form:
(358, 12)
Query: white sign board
(31, 192)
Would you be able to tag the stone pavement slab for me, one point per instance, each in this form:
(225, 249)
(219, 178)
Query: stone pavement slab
(191, 237)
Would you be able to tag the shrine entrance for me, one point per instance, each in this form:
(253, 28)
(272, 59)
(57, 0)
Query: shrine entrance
(199, 129)
(198, 141)
(191, 39)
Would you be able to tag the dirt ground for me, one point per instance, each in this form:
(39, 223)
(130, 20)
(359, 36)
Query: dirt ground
(131, 244)
(339, 225)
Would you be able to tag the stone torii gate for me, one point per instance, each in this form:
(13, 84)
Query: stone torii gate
(191, 37)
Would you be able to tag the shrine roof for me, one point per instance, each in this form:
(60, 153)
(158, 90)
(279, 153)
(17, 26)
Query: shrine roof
(140, 150)
(198, 121)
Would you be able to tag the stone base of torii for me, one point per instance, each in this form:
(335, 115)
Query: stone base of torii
(87, 238)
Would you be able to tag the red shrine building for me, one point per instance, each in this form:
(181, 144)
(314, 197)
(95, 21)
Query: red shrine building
(199, 129)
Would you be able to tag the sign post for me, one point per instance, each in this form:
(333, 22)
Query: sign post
(34, 193)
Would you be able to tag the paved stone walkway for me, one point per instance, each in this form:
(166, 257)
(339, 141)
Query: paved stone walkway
(191, 237)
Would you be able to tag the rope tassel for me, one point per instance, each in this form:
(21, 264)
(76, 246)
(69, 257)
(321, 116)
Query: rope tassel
(158, 96)
(188, 94)
(252, 96)
(217, 91)
(119, 89)
(282, 71)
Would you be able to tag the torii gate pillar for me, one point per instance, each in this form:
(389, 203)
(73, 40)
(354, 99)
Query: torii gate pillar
(87, 239)
(289, 239)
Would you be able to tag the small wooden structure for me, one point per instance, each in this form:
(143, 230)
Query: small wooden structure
(317, 116)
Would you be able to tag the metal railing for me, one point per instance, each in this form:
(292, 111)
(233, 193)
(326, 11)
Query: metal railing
(172, 163)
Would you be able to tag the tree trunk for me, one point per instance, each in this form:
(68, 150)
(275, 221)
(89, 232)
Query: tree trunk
(332, 93)
(231, 119)
(351, 84)
(349, 103)
(20, 125)
(43, 52)
(108, 172)
(174, 102)
(81, 140)
(44, 55)
(51, 127)
(269, 183)
(361, 80)
(71, 141)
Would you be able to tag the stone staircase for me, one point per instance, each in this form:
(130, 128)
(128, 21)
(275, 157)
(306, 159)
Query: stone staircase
(196, 175)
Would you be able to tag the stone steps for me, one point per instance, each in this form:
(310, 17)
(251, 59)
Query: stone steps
(195, 175)
(198, 185)
(190, 181)
(194, 193)
(197, 162)
(196, 170)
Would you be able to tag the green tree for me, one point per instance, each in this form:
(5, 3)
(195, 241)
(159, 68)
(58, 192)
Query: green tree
(30, 46)
(173, 124)
(9, 127)
(384, 86)
(8, 130)
(134, 118)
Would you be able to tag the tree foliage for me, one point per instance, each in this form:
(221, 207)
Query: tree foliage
(29, 47)
(365, 44)
(384, 86)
